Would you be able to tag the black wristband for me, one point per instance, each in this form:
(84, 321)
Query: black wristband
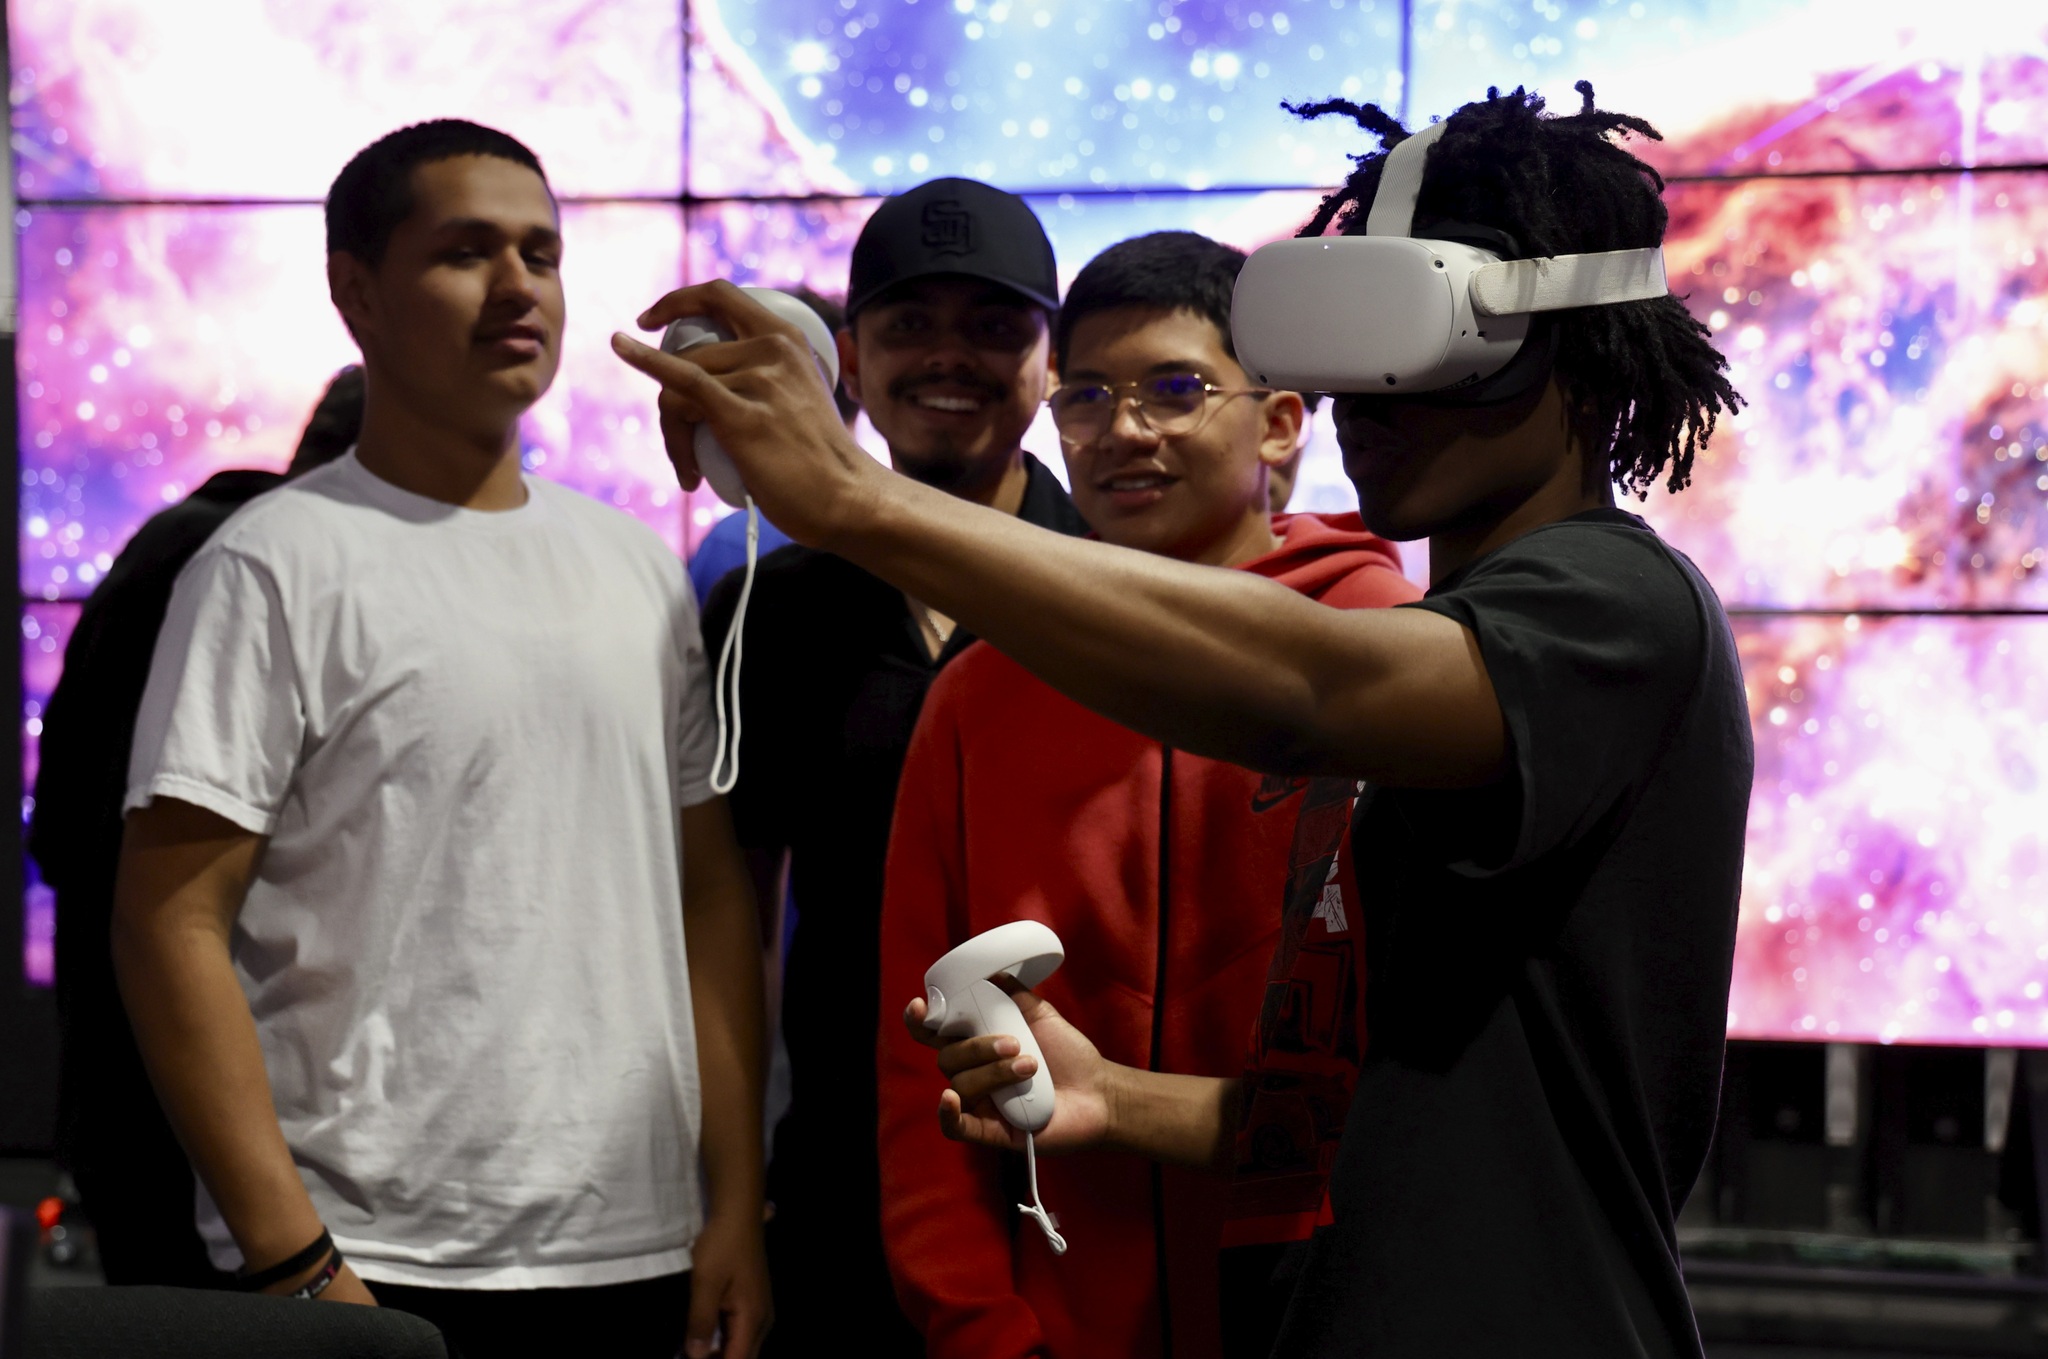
(315, 1286)
(284, 1269)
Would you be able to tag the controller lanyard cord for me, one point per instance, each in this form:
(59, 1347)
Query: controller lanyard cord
(1035, 1210)
(723, 777)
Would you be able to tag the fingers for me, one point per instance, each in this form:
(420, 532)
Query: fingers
(685, 377)
(1034, 1007)
(746, 1326)
(678, 435)
(966, 1053)
(913, 1021)
(689, 395)
(707, 1291)
(722, 301)
(985, 1082)
(985, 1130)
(727, 1318)
(709, 371)
(981, 1050)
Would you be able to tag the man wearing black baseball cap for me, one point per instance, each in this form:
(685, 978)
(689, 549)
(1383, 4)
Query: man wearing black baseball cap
(947, 348)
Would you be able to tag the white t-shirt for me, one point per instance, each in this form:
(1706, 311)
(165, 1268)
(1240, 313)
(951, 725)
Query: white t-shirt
(468, 736)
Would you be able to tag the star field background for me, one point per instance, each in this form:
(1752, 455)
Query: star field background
(1859, 205)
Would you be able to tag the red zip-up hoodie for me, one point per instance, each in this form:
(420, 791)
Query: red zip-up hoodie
(1162, 872)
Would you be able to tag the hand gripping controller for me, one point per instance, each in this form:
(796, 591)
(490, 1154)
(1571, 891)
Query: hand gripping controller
(691, 331)
(962, 1002)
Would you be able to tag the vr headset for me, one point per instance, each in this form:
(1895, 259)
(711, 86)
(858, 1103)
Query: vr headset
(1443, 316)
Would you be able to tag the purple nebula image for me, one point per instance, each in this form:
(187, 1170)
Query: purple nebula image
(1896, 883)
(45, 631)
(876, 97)
(245, 99)
(157, 346)
(1763, 86)
(777, 244)
(161, 344)
(1891, 337)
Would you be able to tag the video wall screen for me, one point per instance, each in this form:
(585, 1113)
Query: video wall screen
(1857, 211)
(1764, 86)
(1033, 96)
(162, 343)
(127, 100)
(1891, 335)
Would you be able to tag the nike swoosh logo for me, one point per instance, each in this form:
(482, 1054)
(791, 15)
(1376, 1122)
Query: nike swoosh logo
(1273, 792)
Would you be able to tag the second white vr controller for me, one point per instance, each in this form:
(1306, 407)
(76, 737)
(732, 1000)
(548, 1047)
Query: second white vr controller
(963, 1002)
(691, 331)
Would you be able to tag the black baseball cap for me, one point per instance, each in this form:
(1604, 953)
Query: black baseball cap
(953, 226)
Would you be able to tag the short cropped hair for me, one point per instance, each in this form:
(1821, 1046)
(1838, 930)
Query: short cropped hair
(373, 192)
(1642, 380)
(1162, 270)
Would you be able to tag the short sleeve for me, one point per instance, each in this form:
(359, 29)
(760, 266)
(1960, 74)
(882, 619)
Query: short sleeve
(222, 718)
(1594, 639)
(696, 724)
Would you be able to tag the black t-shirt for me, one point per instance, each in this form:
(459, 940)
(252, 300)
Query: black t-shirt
(834, 678)
(1547, 968)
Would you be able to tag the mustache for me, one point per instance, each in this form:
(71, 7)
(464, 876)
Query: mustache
(909, 385)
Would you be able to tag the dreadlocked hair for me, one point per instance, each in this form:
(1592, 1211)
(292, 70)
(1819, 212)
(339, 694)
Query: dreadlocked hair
(1641, 380)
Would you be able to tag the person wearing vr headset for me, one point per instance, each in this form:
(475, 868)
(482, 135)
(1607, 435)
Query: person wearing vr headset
(1549, 754)
(950, 299)
(1169, 448)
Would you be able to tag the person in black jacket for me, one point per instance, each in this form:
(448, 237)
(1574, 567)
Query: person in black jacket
(949, 309)
(111, 1133)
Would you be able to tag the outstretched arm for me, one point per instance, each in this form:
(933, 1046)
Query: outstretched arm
(183, 874)
(1216, 662)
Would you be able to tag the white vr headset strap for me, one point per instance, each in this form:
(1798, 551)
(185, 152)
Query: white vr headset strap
(1393, 203)
(1515, 287)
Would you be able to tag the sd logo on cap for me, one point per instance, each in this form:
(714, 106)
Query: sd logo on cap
(953, 226)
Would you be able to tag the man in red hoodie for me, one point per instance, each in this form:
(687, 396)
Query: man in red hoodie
(1017, 802)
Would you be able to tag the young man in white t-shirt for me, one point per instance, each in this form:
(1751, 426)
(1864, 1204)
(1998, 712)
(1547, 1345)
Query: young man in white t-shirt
(435, 938)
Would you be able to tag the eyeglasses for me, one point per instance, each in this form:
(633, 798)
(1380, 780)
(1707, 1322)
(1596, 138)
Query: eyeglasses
(1170, 405)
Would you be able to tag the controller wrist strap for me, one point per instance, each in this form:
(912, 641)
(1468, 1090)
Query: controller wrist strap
(1035, 1210)
(724, 776)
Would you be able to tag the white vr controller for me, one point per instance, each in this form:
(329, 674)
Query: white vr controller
(963, 1002)
(691, 331)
